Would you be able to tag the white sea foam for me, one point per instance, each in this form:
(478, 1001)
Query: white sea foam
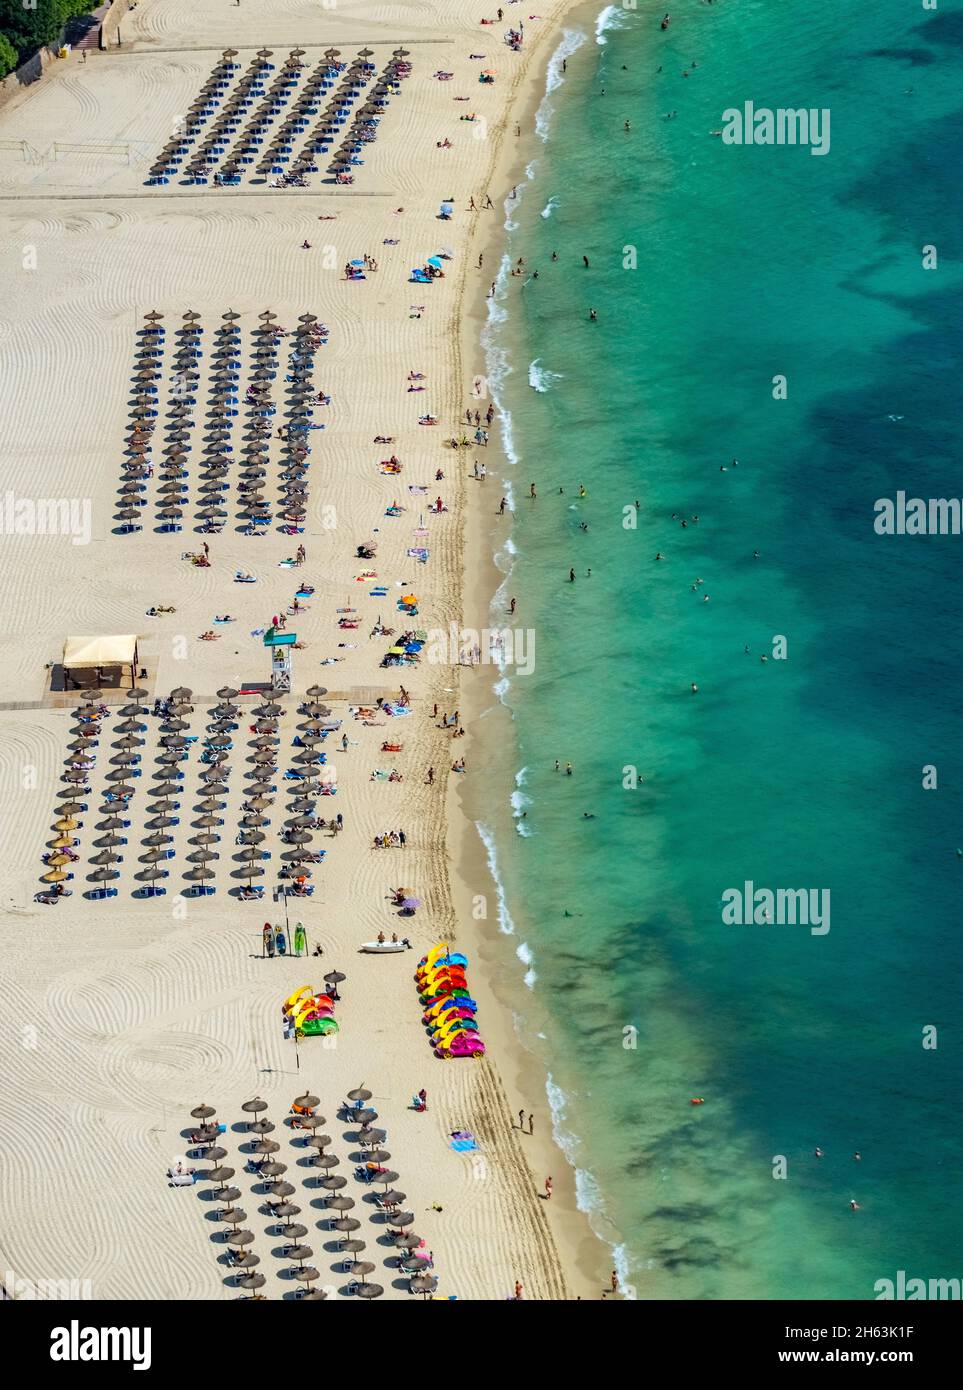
(520, 802)
(540, 378)
(571, 42)
(612, 17)
(588, 1194)
(549, 208)
(505, 923)
(524, 954)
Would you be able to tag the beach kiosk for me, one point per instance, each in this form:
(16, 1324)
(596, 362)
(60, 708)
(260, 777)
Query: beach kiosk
(97, 654)
(280, 644)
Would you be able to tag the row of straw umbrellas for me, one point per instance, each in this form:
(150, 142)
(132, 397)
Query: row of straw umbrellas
(207, 154)
(307, 104)
(284, 1210)
(363, 125)
(259, 791)
(216, 461)
(271, 103)
(198, 111)
(81, 757)
(353, 81)
(119, 789)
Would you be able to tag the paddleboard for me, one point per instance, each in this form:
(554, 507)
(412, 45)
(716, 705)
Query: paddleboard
(268, 935)
(280, 940)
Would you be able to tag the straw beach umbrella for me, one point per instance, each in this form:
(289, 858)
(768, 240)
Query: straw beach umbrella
(299, 1253)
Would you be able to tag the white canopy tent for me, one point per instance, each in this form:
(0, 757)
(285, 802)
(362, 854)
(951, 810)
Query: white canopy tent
(96, 653)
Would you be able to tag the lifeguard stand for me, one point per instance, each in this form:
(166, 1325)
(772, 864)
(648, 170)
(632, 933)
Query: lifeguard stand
(280, 644)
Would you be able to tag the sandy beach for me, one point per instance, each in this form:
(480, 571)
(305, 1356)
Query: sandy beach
(120, 1016)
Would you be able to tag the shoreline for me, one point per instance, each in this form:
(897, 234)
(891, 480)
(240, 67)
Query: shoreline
(580, 1246)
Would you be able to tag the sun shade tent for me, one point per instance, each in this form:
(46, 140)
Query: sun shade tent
(95, 653)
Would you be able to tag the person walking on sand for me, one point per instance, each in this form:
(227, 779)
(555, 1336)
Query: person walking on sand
(531, 1124)
(531, 491)
(548, 1189)
(430, 779)
(471, 205)
(615, 1281)
(521, 1120)
(518, 1292)
(423, 1097)
(502, 505)
(511, 606)
(488, 203)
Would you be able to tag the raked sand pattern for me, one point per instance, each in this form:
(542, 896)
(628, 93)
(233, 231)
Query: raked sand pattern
(117, 1017)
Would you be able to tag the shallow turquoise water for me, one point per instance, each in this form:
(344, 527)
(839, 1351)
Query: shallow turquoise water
(803, 772)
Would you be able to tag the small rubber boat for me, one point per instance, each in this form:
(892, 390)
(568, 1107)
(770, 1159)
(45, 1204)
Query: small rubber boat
(382, 948)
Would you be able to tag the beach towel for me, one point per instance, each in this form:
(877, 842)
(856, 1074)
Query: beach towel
(464, 1146)
(377, 593)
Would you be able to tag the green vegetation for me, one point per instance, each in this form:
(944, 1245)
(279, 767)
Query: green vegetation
(26, 25)
(8, 56)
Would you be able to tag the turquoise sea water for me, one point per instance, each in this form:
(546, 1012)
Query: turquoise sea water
(802, 772)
